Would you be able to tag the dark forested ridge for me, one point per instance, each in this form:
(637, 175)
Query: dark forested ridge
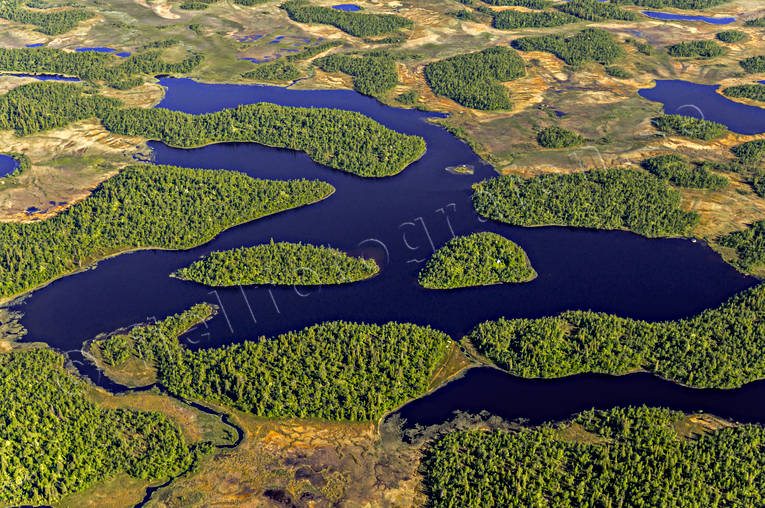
(47, 105)
(593, 10)
(143, 206)
(57, 442)
(696, 49)
(48, 21)
(473, 79)
(357, 24)
(749, 245)
(281, 263)
(511, 20)
(690, 127)
(373, 73)
(626, 457)
(755, 91)
(677, 4)
(751, 152)
(479, 259)
(328, 136)
(731, 36)
(335, 370)
(719, 348)
(589, 45)
(680, 171)
(603, 199)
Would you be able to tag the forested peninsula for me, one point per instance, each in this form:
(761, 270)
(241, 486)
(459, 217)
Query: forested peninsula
(143, 206)
(281, 263)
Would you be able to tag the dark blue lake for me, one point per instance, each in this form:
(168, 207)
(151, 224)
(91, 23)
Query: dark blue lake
(702, 101)
(7, 165)
(347, 7)
(43, 77)
(399, 221)
(685, 17)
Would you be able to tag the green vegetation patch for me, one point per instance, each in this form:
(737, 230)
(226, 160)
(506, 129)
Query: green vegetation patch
(677, 4)
(531, 4)
(731, 36)
(719, 348)
(335, 370)
(24, 163)
(678, 170)
(604, 199)
(49, 21)
(510, 19)
(690, 127)
(754, 64)
(616, 71)
(759, 22)
(590, 45)
(357, 24)
(143, 206)
(472, 79)
(558, 137)
(280, 263)
(276, 71)
(751, 152)
(312, 51)
(633, 460)
(56, 442)
(756, 92)
(592, 10)
(47, 105)
(329, 136)
(749, 245)
(696, 49)
(479, 259)
(373, 74)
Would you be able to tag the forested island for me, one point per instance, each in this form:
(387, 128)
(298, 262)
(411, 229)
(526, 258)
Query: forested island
(474, 79)
(755, 91)
(281, 263)
(696, 49)
(328, 136)
(335, 370)
(620, 457)
(143, 206)
(601, 199)
(479, 259)
(719, 348)
(56, 441)
(511, 19)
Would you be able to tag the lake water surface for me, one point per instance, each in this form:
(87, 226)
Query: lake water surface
(7, 165)
(686, 17)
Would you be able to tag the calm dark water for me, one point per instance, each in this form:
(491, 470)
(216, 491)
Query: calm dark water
(685, 17)
(43, 77)
(399, 221)
(7, 165)
(541, 400)
(702, 101)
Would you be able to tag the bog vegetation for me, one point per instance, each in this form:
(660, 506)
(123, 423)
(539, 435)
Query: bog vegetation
(479, 259)
(358, 24)
(329, 136)
(603, 199)
(335, 370)
(275, 71)
(281, 263)
(680, 171)
(474, 79)
(590, 45)
(719, 348)
(632, 457)
(57, 442)
(143, 206)
(690, 127)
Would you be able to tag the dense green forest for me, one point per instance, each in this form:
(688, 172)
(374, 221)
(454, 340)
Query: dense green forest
(355, 23)
(49, 21)
(90, 65)
(590, 45)
(531, 4)
(143, 206)
(281, 263)
(751, 152)
(329, 136)
(756, 92)
(510, 19)
(23, 161)
(633, 456)
(47, 105)
(696, 49)
(603, 199)
(677, 4)
(719, 348)
(749, 245)
(275, 71)
(56, 441)
(373, 73)
(479, 259)
(755, 22)
(473, 79)
(754, 64)
(335, 370)
(558, 137)
(731, 36)
(690, 127)
(593, 10)
(312, 51)
(678, 170)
